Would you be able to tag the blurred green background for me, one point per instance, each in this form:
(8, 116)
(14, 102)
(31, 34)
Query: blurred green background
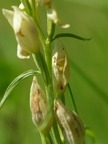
(89, 71)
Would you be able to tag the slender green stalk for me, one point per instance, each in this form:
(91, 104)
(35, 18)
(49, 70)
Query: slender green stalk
(72, 98)
(50, 31)
(41, 35)
(55, 133)
(46, 46)
(48, 57)
(49, 139)
(50, 28)
(40, 63)
(43, 139)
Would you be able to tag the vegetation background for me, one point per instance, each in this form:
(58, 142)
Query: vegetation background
(89, 71)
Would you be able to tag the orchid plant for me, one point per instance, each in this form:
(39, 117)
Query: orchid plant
(53, 120)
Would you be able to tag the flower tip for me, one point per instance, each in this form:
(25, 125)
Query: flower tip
(8, 14)
(21, 6)
(3, 10)
(65, 26)
(21, 53)
(13, 7)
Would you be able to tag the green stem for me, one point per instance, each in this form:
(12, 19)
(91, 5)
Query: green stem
(43, 139)
(55, 133)
(48, 53)
(72, 98)
(46, 46)
(48, 57)
(40, 63)
(49, 139)
(41, 35)
(50, 28)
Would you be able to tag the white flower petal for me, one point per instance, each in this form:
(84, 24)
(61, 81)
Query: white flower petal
(9, 15)
(17, 20)
(21, 53)
(21, 6)
(25, 31)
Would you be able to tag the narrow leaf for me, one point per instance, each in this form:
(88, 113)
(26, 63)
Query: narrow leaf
(72, 98)
(15, 82)
(71, 36)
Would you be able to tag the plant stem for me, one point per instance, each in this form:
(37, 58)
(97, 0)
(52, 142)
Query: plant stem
(46, 44)
(49, 139)
(43, 139)
(55, 133)
(41, 65)
(48, 57)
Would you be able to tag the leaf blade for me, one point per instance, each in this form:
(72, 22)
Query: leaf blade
(71, 36)
(15, 82)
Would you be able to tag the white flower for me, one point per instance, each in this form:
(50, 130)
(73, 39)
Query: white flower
(60, 66)
(25, 31)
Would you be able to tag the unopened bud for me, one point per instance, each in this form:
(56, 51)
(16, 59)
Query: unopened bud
(70, 124)
(60, 66)
(53, 16)
(38, 107)
(25, 31)
(38, 103)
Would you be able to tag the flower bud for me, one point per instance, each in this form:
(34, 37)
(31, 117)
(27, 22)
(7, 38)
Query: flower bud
(53, 16)
(60, 66)
(38, 104)
(25, 31)
(38, 107)
(70, 124)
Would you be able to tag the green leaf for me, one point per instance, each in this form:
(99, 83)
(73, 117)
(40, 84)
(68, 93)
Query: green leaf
(72, 98)
(71, 36)
(15, 82)
(90, 133)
